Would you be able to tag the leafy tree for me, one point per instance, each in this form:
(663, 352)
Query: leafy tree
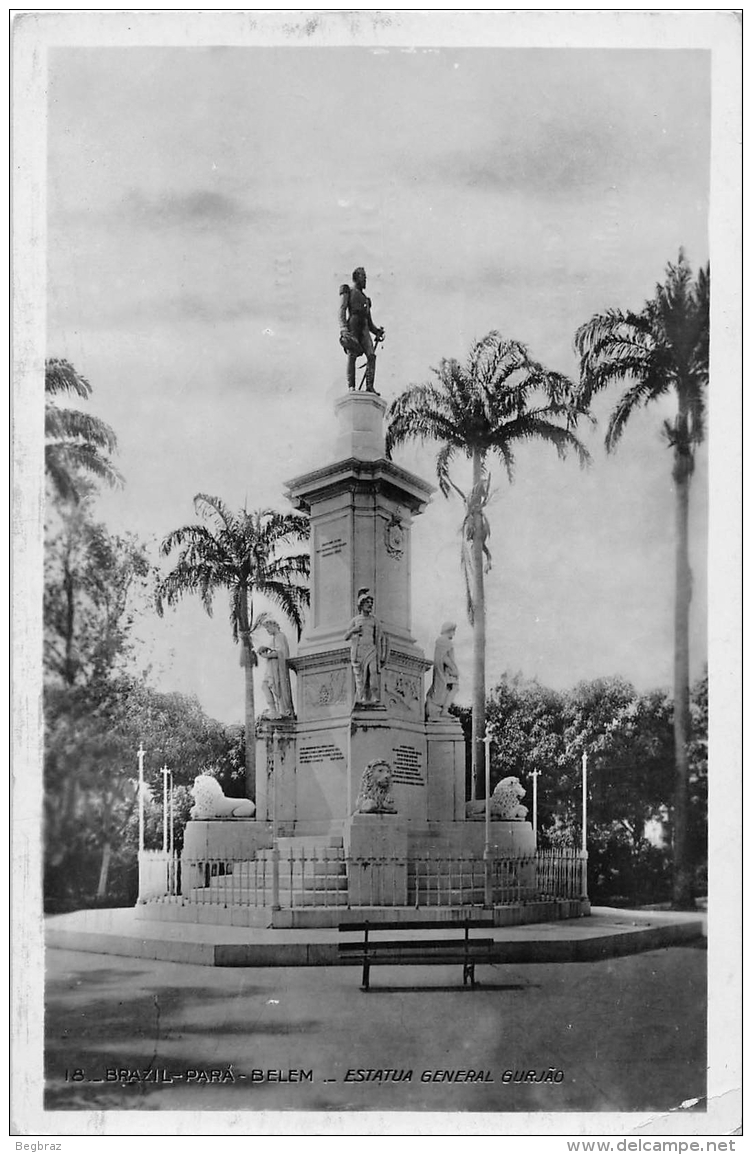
(244, 554)
(628, 739)
(78, 445)
(93, 583)
(92, 734)
(660, 350)
(697, 755)
(498, 399)
(527, 726)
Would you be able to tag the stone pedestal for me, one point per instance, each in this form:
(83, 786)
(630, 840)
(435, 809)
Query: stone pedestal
(377, 847)
(360, 418)
(276, 766)
(361, 509)
(445, 760)
(221, 839)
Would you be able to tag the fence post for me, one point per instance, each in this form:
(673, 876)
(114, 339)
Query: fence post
(275, 876)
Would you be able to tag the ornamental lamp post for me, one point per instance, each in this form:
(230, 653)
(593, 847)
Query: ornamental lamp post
(488, 889)
(140, 753)
(165, 773)
(535, 775)
(275, 842)
(584, 855)
(584, 802)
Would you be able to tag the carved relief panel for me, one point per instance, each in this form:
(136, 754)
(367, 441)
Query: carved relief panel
(403, 692)
(325, 689)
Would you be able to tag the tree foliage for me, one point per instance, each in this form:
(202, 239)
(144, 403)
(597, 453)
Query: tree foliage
(660, 350)
(94, 583)
(92, 735)
(97, 711)
(499, 399)
(248, 555)
(78, 445)
(628, 740)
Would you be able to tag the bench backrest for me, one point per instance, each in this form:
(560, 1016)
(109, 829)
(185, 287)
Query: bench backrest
(424, 924)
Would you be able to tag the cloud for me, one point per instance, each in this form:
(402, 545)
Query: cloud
(199, 208)
(553, 159)
(156, 309)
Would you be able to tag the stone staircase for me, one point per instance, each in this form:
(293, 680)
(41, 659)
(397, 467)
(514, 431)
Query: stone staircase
(312, 872)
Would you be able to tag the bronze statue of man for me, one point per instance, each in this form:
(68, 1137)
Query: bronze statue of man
(355, 329)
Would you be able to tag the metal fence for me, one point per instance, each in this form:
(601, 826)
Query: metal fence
(561, 873)
(330, 878)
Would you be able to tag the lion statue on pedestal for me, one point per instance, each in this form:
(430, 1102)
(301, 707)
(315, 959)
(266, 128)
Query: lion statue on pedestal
(210, 801)
(505, 803)
(374, 796)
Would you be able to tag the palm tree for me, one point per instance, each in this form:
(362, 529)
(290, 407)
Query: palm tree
(498, 399)
(662, 349)
(244, 554)
(76, 442)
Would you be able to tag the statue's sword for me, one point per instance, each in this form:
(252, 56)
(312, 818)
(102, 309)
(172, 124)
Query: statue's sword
(379, 341)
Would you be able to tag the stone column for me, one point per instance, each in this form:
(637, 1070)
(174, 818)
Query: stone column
(445, 744)
(285, 771)
(376, 845)
(361, 426)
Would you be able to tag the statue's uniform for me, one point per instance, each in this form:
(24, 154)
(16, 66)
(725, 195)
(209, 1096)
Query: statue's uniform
(355, 319)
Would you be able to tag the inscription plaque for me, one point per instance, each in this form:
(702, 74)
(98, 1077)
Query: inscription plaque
(407, 766)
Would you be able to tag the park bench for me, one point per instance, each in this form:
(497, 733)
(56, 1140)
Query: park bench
(371, 951)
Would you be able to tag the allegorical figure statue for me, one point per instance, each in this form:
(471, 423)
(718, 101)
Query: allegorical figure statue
(446, 676)
(369, 650)
(276, 684)
(355, 329)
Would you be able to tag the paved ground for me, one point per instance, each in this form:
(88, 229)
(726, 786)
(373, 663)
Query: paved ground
(605, 933)
(627, 1033)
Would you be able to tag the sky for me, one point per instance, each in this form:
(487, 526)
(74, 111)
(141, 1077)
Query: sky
(204, 205)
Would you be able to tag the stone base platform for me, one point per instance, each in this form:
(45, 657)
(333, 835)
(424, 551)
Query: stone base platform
(607, 933)
(301, 917)
(242, 838)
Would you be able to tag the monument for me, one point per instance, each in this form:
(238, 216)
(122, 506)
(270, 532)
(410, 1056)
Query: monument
(362, 759)
(361, 699)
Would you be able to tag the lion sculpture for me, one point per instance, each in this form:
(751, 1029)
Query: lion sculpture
(374, 796)
(210, 801)
(505, 803)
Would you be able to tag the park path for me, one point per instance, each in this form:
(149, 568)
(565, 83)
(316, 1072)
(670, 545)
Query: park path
(627, 1034)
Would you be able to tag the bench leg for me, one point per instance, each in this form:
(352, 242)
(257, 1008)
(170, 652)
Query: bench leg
(468, 972)
(366, 972)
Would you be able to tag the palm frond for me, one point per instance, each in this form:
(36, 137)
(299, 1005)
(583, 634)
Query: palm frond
(422, 413)
(197, 535)
(206, 505)
(288, 569)
(60, 424)
(64, 459)
(186, 578)
(467, 568)
(61, 377)
(444, 459)
(642, 391)
(664, 347)
(242, 553)
(289, 600)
